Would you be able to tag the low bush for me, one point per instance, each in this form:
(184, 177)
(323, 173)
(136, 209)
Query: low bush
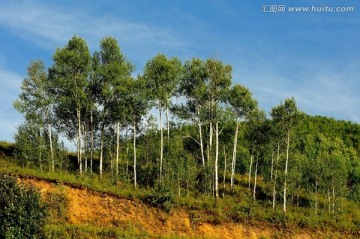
(57, 205)
(22, 214)
(162, 197)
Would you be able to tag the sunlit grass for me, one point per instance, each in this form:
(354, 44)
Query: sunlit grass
(238, 207)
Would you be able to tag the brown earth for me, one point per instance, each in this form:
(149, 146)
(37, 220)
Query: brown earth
(86, 207)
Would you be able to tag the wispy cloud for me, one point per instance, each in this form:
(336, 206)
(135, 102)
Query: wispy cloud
(318, 89)
(9, 118)
(52, 26)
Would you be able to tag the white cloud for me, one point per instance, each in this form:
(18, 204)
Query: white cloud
(52, 27)
(9, 118)
(319, 89)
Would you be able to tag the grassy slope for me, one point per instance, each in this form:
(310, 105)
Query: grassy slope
(205, 218)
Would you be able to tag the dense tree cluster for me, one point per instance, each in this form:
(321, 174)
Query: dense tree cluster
(213, 126)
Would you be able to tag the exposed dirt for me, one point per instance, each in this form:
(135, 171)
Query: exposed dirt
(93, 208)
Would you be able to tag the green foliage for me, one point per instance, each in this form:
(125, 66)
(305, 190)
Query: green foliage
(161, 197)
(57, 203)
(22, 214)
(69, 231)
(315, 159)
(203, 178)
(162, 75)
(32, 148)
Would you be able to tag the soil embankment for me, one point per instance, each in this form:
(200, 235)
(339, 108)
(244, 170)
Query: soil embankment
(86, 207)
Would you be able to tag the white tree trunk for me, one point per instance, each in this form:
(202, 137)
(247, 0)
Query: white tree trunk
(85, 147)
(92, 141)
(255, 176)
(51, 149)
(161, 144)
(201, 140)
(168, 126)
(78, 116)
(233, 163)
(117, 147)
(272, 165)
(135, 176)
(101, 151)
(251, 162)
(210, 142)
(286, 169)
(216, 183)
(275, 174)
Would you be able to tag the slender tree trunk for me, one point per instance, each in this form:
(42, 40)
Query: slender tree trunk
(117, 147)
(275, 176)
(101, 151)
(168, 127)
(272, 165)
(78, 114)
(127, 161)
(201, 140)
(251, 162)
(216, 183)
(286, 169)
(85, 133)
(179, 189)
(209, 146)
(210, 137)
(135, 178)
(255, 176)
(92, 141)
(233, 163)
(40, 150)
(161, 144)
(51, 149)
(111, 161)
(329, 200)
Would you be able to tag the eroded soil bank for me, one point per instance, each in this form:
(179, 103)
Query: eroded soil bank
(86, 207)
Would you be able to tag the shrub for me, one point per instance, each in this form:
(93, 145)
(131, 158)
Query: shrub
(57, 205)
(22, 214)
(161, 197)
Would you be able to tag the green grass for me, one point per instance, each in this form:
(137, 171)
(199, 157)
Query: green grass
(68, 231)
(87, 180)
(238, 208)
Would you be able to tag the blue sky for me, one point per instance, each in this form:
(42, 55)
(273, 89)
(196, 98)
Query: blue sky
(313, 56)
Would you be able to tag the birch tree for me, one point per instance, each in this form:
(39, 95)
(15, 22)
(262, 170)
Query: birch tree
(137, 105)
(258, 136)
(242, 103)
(285, 117)
(111, 75)
(35, 102)
(193, 89)
(162, 76)
(218, 83)
(69, 77)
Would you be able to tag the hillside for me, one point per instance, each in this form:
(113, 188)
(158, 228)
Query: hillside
(83, 206)
(100, 210)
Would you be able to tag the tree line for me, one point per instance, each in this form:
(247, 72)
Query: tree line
(206, 131)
